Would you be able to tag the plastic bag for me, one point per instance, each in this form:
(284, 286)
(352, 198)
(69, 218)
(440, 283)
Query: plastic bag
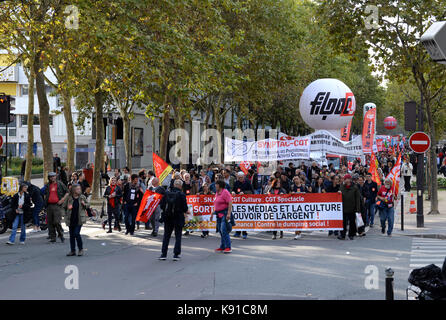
(359, 221)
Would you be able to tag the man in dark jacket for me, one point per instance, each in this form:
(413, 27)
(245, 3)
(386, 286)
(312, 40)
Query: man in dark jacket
(370, 191)
(131, 200)
(350, 205)
(55, 194)
(113, 194)
(37, 199)
(242, 186)
(175, 209)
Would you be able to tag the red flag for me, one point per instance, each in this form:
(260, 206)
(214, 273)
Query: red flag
(394, 175)
(245, 166)
(374, 170)
(368, 131)
(149, 202)
(162, 169)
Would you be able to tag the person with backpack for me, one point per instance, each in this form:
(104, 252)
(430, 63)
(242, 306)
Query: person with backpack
(37, 199)
(385, 202)
(132, 198)
(175, 209)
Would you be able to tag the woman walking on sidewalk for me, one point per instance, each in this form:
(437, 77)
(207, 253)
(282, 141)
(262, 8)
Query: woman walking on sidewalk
(75, 216)
(21, 207)
(223, 210)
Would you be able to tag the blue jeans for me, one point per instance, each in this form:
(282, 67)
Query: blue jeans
(387, 214)
(37, 208)
(225, 238)
(131, 211)
(258, 191)
(370, 212)
(18, 219)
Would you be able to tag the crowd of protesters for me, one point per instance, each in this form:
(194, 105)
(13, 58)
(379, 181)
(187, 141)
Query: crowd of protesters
(67, 197)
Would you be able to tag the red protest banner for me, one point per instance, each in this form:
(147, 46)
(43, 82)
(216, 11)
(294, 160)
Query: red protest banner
(261, 212)
(345, 132)
(149, 202)
(368, 131)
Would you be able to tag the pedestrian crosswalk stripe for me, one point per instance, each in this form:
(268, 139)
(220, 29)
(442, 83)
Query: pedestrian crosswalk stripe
(427, 251)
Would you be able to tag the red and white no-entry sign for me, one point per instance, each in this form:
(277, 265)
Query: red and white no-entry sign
(1, 141)
(419, 142)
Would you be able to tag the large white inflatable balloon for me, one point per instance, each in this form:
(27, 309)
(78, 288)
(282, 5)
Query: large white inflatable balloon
(327, 104)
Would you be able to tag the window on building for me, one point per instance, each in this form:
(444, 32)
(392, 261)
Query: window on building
(24, 89)
(36, 122)
(13, 132)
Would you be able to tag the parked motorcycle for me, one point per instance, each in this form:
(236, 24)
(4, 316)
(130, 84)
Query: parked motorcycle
(429, 282)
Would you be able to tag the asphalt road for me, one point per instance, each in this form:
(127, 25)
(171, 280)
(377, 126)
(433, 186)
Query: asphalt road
(116, 266)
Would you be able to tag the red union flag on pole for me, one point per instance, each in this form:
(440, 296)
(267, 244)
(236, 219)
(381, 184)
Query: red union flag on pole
(149, 202)
(162, 169)
(245, 166)
(368, 131)
(394, 175)
(373, 170)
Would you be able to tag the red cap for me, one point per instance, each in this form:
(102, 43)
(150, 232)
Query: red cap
(347, 176)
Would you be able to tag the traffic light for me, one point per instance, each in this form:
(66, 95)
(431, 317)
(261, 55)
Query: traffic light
(5, 109)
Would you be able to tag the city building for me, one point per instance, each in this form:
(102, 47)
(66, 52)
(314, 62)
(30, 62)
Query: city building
(144, 138)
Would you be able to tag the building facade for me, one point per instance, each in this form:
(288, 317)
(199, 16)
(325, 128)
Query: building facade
(144, 133)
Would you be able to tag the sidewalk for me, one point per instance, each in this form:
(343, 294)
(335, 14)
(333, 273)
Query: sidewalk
(433, 224)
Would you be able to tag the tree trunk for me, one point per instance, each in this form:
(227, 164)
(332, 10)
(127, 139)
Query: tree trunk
(179, 119)
(70, 131)
(29, 150)
(433, 162)
(44, 114)
(152, 120)
(99, 153)
(165, 132)
(127, 147)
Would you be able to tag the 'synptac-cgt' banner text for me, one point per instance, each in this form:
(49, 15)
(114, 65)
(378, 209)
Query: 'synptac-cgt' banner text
(312, 211)
(267, 150)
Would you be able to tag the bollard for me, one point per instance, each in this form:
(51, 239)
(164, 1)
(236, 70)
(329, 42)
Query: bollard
(402, 212)
(389, 284)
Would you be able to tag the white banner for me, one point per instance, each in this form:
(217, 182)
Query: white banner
(267, 150)
(324, 142)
